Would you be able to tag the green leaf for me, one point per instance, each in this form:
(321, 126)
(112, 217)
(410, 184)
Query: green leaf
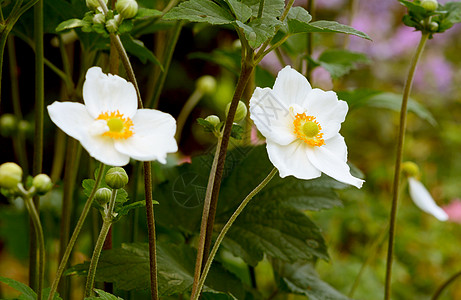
(259, 30)
(137, 48)
(340, 62)
(207, 126)
(331, 26)
(104, 296)
(372, 98)
(200, 11)
(272, 8)
(147, 13)
(26, 292)
(297, 18)
(69, 24)
(128, 267)
(240, 10)
(301, 278)
(125, 209)
(237, 131)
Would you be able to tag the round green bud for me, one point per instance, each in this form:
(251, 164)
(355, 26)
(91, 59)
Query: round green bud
(433, 26)
(10, 175)
(206, 84)
(94, 4)
(112, 25)
(410, 169)
(237, 45)
(241, 112)
(116, 178)
(252, 36)
(42, 184)
(99, 18)
(429, 5)
(127, 8)
(8, 125)
(213, 119)
(103, 196)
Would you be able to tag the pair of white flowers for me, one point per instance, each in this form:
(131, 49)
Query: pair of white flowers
(302, 141)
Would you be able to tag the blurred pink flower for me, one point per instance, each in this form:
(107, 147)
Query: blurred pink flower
(453, 210)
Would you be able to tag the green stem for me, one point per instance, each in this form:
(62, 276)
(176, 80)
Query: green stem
(445, 284)
(310, 44)
(226, 228)
(203, 226)
(78, 227)
(398, 162)
(185, 112)
(261, 8)
(106, 224)
(40, 242)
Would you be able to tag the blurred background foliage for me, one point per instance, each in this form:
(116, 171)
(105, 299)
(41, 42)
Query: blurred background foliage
(427, 251)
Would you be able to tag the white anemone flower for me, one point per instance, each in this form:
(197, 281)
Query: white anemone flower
(301, 126)
(423, 199)
(110, 126)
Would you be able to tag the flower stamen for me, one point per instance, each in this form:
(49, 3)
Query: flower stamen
(308, 130)
(120, 127)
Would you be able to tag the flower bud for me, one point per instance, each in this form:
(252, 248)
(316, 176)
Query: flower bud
(10, 175)
(429, 5)
(410, 169)
(103, 196)
(241, 112)
(94, 4)
(237, 44)
(42, 183)
(116, 178)
(127, 8)
(433, 26)
(213, 119)
(99, 18)
(8, 125)
(252, 36)
(206, 84)
(112, 25)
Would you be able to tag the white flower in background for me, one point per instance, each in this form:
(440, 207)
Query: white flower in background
(110, 126)
(419, 194)
(301, 126)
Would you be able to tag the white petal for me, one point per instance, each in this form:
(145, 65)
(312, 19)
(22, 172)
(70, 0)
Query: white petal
(328, 110)
(74, 120)
(153, 136)
(108, 93)
(70, 117)
(330, 161)
(292, 160)
(337, 144)
(424, 201)
(271, 116)
(291, 86)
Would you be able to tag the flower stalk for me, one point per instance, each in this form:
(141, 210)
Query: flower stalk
(73, 239)
(398, 162)
(445, 285)
(226, 228)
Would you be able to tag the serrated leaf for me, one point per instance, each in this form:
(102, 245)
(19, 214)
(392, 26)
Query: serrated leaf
(125, 209)
(240, 10)
(147, 13)
(207, 126)
(137, 48)
(104, 296)
(259, 30)
(272, 8)
(237, 131)
(128, 267)
(69, 24)
(331, 26)
(297, 18)
(200, 11)
(301, 278)
(340, 62)
(26, 292)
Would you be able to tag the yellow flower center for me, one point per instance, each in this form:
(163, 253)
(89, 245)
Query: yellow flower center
(308, 130)
(119, 125)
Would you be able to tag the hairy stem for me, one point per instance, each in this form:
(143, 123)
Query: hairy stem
(185, 112)
(310, 44)
(398, 163)
(445, 285)
(226, 228)
(73, 239)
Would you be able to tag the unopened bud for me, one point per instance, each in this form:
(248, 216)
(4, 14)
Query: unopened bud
(206, 84)
(99, 18)
(116, 178)
(252, 36)
(410, 169)
(433, 26)
(240, 113)
(42, 183)
(112, 25)
(429, 5)
(10, 175)
(237, 45)
(8, 125)
(103, 196)
(213, 119)
(127, 8)
(94, 4)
